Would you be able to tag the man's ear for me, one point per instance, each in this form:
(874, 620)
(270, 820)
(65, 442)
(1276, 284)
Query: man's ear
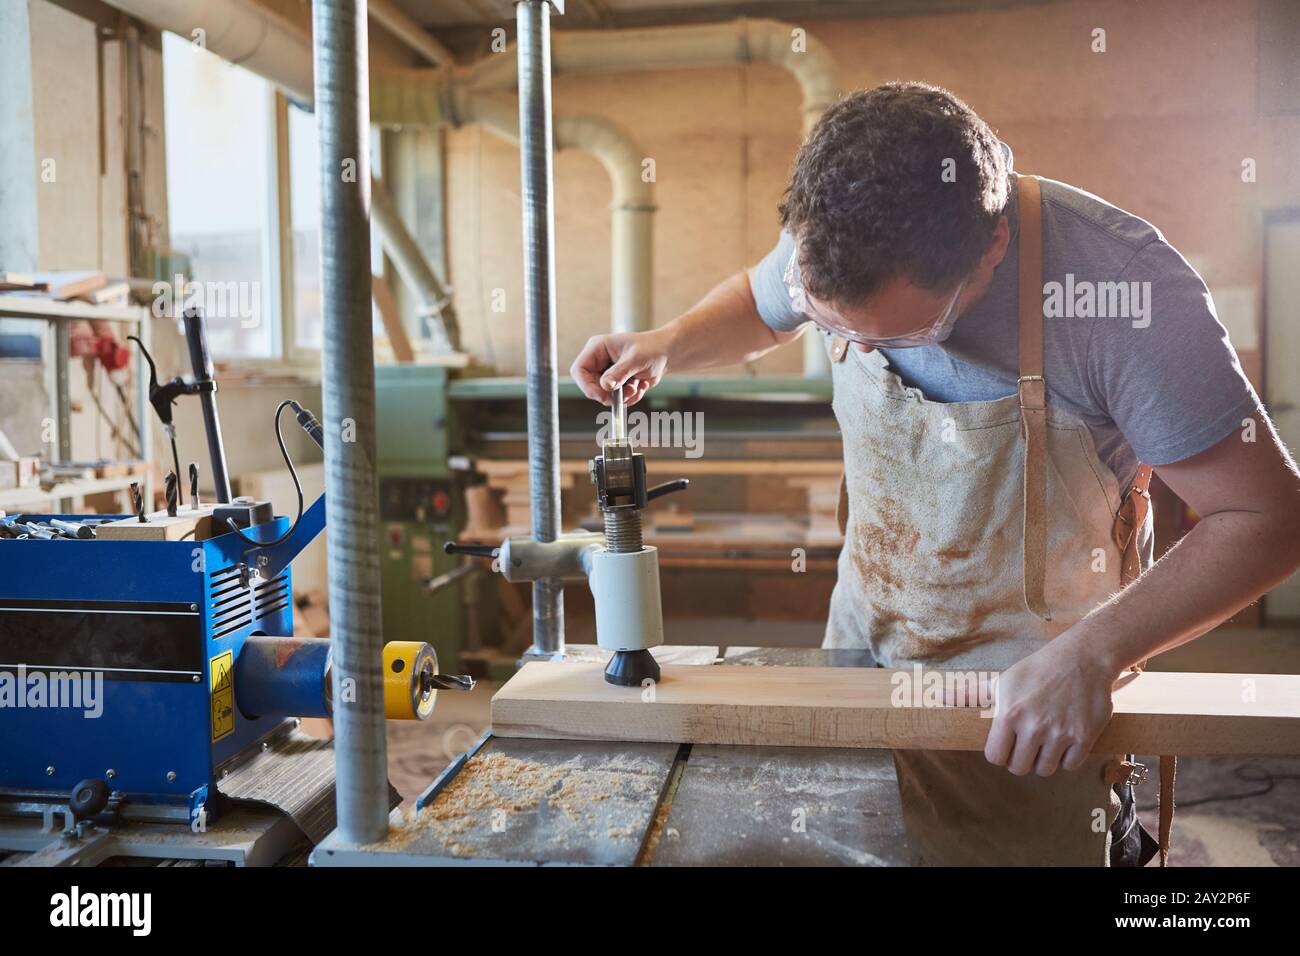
(997, 249)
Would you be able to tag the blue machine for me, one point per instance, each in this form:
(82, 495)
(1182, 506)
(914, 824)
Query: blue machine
(135, 672)
(156, 631)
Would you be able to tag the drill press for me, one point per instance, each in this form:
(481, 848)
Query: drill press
(622, 571)
(624, 575)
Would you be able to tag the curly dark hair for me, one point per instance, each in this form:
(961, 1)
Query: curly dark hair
(869, 199)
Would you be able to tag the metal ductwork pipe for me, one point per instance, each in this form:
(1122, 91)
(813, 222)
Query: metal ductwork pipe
(240, 31)
(435, 304)
(348, 398)
(631, 274)
(686, 47)
(632, 203)
(533, 25)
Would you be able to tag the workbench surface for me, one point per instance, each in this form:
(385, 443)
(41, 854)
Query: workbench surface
(538, 802)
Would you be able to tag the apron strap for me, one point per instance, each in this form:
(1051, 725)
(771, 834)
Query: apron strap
(1033, 395)
(836, 347)
(1168, 770)
(1132, 514)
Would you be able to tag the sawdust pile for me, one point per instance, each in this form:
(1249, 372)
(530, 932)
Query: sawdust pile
(493, 792)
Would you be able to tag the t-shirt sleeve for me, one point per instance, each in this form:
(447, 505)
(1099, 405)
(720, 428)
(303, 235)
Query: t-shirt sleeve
(1167, 373)
(767, 280)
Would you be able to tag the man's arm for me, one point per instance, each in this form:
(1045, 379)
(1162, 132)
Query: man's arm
(723, 328)
(1247, 493)
(1054, 704)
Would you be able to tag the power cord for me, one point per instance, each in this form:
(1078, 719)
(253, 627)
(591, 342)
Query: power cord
(1249, 773)
(312, 427)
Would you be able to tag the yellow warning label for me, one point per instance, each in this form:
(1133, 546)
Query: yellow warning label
(222, 677)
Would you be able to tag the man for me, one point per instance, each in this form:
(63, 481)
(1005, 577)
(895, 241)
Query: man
(1000, 406)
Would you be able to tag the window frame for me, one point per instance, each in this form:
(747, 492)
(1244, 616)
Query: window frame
(279, 303)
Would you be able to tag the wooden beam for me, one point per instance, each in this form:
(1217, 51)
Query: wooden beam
(1161, 713)
(393, 328)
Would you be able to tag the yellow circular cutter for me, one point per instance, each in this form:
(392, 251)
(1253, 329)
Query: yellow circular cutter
(408, 666)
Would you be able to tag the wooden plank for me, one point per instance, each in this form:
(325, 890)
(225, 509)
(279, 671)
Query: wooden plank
(189, 525)
(510, 468)
(71, 285)
(856, 707)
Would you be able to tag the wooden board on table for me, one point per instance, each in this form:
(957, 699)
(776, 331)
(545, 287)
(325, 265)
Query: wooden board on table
(117, 293)
(190, 524)
(784, 467)
(71, 285)
(858, 707)
(19, 282)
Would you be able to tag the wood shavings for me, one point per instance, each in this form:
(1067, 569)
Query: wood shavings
(494, 790)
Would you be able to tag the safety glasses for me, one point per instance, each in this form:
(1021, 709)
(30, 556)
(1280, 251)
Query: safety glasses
(929, 334)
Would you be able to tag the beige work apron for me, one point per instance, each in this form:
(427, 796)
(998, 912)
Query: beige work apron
(938, 567)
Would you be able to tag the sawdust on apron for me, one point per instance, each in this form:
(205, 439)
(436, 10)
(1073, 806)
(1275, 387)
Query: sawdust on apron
(932, 571)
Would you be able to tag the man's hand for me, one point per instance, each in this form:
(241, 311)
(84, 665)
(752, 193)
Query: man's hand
(636, 360)
(724, 328)
(1050, 708)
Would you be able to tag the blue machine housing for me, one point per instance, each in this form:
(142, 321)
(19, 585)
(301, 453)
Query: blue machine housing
(157, 619)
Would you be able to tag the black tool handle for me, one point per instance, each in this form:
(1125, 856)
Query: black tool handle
(667, 488)
(197, 339)
(477, 550)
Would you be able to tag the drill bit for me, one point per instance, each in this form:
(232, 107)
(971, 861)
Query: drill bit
(446, 682)
(194, 486)
(171, 486)
(137, 500)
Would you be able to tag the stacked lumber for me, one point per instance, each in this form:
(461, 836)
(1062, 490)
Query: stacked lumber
(89, 286)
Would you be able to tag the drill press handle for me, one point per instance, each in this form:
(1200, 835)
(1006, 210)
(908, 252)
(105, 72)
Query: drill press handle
(667, 488)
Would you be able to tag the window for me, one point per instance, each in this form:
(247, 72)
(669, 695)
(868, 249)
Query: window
(304, 196)
(220, 192)
(304, 191)
(223, 171)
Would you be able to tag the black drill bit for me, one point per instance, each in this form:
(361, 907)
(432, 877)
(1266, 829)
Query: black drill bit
(194, 486)
(171, 487)
(137, 499)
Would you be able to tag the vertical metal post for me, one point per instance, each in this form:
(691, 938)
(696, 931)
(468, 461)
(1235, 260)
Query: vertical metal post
(536, 148)
(348, 398)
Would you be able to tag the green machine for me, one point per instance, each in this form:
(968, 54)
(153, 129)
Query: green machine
(421, 506)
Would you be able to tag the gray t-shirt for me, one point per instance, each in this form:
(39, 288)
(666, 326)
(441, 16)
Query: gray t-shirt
(1157, 381)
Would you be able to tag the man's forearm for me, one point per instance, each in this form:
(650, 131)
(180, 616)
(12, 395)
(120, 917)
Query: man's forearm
(1225, 562)
(724, 328)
